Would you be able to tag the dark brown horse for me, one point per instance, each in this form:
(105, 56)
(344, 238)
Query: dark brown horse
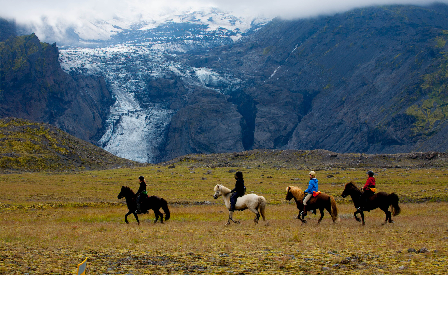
(380, 200)
(148, 203)
(321, 202)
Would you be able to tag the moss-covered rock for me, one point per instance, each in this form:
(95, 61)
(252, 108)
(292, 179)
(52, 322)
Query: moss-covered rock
(29, 146)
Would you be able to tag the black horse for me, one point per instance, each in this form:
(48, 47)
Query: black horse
(380, 200)
(147, 203)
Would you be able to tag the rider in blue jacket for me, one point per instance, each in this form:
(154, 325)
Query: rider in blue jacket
(313, 186)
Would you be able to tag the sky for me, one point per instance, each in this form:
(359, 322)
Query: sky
(69, 11)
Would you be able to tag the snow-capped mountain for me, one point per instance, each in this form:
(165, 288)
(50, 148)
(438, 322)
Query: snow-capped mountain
(129, 55)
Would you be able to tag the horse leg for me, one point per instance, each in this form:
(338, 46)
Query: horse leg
(388, 216)
(302, 217)
(257, 214)
(257, 217)
(126, 217)
(356, 217)
(136, 217)
(362, 216)
(231, 219)
(158, 214)
(321, 215)
(161, 216)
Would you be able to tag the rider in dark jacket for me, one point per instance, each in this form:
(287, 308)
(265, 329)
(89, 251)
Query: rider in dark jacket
(141, 193)
(238, 191)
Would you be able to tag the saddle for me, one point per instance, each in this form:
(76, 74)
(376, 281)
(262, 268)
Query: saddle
(316, 193)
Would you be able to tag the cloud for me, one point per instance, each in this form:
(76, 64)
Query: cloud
(301, 9)
(69, 11)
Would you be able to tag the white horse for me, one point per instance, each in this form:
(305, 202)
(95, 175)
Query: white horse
(253, 202)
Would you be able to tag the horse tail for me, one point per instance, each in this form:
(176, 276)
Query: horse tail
(334, 209)
(394, 203)
(261, 206)
(165, 209)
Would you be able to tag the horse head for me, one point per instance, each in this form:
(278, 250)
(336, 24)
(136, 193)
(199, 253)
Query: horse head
(294, 192)
(349, 189)
(125, 192)
(217, 191)
(288, 194)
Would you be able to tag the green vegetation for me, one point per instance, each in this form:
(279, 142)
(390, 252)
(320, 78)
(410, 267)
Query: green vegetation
(432, 111)
(28, 146)
(51, 221)
(267, 50)
(54, 212)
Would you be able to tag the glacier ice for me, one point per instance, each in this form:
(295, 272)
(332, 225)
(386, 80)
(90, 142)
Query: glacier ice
(135, 52)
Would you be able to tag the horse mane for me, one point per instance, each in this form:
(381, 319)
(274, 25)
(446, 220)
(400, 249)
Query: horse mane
(352, 185)
(223, 188)
(296, 192)
(127, 189)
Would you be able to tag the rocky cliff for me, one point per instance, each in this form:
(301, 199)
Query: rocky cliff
(371, 80)
(33, 86)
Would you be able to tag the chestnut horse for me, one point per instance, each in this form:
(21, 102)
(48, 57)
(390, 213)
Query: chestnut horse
(321, 202)
(380, 200)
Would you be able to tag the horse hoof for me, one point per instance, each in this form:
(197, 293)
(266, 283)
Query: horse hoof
(357, 219)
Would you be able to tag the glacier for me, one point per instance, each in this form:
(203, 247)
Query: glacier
(127, 57)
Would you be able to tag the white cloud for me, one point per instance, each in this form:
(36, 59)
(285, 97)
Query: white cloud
(300, 9)
(69, 11)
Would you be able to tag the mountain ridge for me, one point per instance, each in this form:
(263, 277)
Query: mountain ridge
(33, 86)
(27, 146)
(370, 80)
(352, 82)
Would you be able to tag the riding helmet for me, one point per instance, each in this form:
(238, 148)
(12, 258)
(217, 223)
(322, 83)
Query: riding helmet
(239, 175)
(313, 173)
(141, 178)
(370, 173)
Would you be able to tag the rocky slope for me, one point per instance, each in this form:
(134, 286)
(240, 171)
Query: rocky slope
(369, 80)
(34, 87)
(29, 146)
(318, 160)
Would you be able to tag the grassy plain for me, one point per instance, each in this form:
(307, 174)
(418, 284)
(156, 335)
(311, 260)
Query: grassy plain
(49, 222)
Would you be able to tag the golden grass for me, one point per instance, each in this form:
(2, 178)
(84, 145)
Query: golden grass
(51, 222)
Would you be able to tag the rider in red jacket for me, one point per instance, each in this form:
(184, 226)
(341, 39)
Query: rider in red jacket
(369, 189)
(370, 183)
